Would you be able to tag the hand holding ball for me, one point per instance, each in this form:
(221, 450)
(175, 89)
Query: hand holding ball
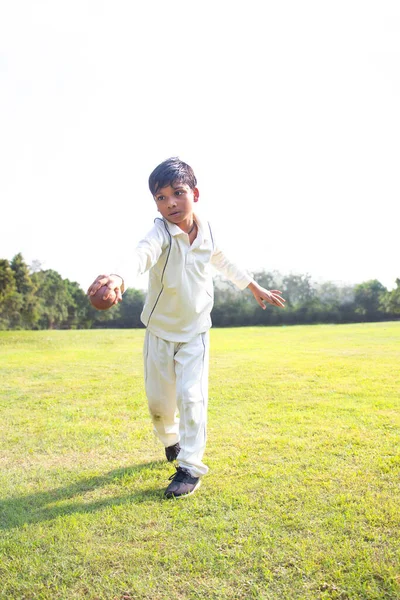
(111, 286)
(97, 300)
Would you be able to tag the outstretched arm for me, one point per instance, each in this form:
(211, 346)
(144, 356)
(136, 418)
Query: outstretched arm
(262, 295)
(242, 279)
(145, 255)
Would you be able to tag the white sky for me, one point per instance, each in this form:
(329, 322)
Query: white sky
(287, 111)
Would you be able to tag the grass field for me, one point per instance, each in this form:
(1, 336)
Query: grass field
(302, 499)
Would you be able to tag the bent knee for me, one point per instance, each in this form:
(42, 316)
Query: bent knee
(159, 411)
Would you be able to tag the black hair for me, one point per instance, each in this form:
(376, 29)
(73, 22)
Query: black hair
(170, 171)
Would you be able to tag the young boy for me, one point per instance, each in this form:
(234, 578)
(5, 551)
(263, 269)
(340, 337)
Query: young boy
(178, 252)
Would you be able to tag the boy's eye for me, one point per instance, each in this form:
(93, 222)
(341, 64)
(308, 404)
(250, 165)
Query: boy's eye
(160, 198)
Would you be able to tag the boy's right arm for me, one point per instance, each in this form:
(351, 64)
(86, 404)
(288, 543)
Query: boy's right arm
(146, 254)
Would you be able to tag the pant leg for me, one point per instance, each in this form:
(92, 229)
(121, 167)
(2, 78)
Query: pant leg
(191, 367)
(160, 385)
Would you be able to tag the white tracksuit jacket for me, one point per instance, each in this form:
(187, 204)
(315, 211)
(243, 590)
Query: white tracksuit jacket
(180, 294)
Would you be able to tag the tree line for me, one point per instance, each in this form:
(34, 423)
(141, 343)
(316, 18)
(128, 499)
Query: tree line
(36, 298)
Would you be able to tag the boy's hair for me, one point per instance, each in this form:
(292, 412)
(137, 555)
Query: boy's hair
(170, 171)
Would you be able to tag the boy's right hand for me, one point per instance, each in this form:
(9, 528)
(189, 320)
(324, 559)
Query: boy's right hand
(113, 282)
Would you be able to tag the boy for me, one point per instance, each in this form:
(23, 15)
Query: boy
(178, 252)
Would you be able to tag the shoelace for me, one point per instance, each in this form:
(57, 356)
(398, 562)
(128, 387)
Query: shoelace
(180, 475)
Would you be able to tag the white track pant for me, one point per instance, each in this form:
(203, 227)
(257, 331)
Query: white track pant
(176, 379)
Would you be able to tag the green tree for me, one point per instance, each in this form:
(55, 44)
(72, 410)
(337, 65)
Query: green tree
(29, 314)
(391, 300)
(130, 309)
(22, 277)
(270, 280)
(10, 300)
(80, 314)
(55, 299)
(368, 298)
(333, 303)
(297, 289)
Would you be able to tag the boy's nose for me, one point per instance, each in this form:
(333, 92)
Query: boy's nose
(172, 202)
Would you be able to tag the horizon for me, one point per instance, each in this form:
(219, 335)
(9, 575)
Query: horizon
(38, 266)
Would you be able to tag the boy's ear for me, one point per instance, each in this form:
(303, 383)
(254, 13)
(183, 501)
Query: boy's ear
(196, 194)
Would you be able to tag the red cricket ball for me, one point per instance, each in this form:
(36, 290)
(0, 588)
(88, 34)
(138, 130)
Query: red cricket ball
(97, 299)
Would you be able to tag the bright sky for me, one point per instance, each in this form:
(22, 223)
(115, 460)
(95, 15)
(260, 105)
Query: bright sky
(287, 111)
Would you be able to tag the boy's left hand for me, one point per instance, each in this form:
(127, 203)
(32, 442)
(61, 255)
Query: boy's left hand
(262, 295)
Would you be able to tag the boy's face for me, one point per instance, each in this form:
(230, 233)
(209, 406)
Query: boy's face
(175, 202)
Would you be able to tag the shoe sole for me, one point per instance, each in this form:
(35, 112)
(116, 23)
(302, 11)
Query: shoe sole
(198, 484)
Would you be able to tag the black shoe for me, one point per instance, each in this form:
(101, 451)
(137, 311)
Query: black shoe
(172, 452)
(182, 484)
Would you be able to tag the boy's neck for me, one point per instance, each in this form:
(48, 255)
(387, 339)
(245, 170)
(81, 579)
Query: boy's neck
(189, 225)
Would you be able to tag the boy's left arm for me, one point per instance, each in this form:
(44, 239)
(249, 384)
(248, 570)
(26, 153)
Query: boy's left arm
(243, 280)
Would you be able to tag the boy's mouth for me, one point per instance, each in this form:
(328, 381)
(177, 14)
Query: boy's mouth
(174, 213)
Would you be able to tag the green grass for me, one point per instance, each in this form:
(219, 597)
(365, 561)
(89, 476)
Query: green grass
(302, 499)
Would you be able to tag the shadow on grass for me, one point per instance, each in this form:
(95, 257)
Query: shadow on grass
(37, 507)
